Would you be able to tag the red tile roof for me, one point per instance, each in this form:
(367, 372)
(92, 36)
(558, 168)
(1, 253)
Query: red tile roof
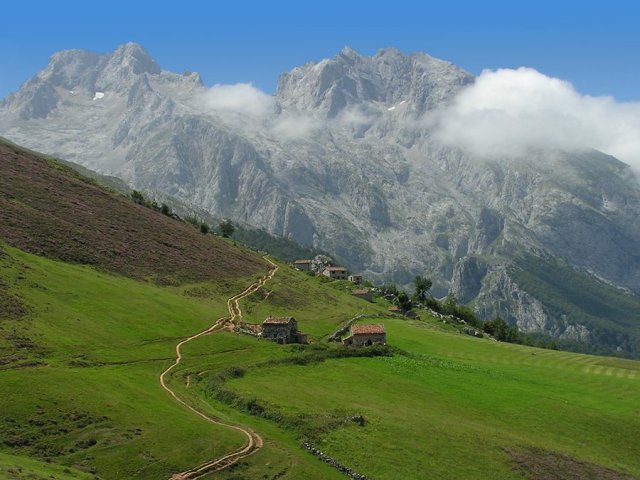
(336, 269)
(367, 328)
(277, 320)
(302, 261)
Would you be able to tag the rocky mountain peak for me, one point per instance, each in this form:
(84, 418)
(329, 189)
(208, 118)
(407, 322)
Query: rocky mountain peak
(389, 52)
(71, 68)
(135, 58)
(348, 55)
(350, 79)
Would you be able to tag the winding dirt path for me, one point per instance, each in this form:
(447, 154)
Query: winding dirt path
(253, 440)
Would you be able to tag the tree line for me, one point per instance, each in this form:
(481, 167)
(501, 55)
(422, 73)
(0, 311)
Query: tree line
(226, 227)
(422, 298)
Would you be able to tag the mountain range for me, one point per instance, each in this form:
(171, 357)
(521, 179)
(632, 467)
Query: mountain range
(344, 158)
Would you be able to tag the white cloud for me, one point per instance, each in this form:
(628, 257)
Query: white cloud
(295, 126)
(242, 98)
(353, 117)
(506, 112)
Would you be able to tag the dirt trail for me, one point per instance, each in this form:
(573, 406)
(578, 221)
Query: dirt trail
(253, 440)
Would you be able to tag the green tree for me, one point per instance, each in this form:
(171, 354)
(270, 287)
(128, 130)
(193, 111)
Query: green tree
(423, 285)
(138, 197)
(389, 289)
(164, 208)
(227, 228)
(450, 305)
(403, 301)
(502, 331)
(204, 228)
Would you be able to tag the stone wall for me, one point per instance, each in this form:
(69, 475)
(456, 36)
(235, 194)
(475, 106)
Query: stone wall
(333, 462)
(364, 339)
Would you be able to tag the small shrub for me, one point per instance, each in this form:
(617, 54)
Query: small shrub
(227, 228)
(191, 220)
(164, 208)
(138, 197)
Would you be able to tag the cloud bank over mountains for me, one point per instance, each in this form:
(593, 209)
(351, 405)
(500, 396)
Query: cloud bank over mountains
(241, 98)
(505, 112)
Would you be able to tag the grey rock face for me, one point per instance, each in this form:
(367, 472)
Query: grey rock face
(389, 77)
(362, 179)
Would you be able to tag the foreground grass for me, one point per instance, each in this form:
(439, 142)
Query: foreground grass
(445, 406)
(79, 377)
(80, 386)
(23, 468)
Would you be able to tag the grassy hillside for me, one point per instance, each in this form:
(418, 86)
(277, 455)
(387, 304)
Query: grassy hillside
(79, 372)
(49, 209)
(442, 405)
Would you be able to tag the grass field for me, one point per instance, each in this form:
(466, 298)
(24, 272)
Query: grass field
(79, 373)
(445, 406)
(25, 468)
(80, 394)
(456, 405)
(318, 304)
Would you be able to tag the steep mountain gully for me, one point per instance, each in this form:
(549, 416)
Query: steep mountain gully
(253, 440)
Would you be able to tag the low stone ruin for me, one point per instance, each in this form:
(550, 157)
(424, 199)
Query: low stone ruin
(333, 462)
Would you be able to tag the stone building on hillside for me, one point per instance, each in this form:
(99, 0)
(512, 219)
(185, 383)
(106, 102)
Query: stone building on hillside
(282, 330)
(335, 273)
(303, 265)
(364, 335)
(357, 279)
(363, 293)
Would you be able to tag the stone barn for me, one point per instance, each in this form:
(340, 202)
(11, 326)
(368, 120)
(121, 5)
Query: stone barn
(335, 273)
(363, 293)
(357, 279)
(365, 335)
(304, 265)
(282, 330)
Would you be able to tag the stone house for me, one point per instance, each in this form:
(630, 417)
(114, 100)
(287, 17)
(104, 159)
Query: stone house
(363, 293)
(335, 273)
(282, 330)
(303, 265)
(364, 335)
(357, 279)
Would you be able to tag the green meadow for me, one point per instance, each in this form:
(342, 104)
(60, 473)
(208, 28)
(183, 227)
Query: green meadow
(81, 398)
(455, 407)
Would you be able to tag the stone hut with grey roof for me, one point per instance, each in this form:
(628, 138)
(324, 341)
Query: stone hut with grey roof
(363, 293)
(304, 265)
(364, 335)
(282, 330)
(335, 273)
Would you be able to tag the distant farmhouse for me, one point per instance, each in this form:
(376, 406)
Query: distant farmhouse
(282, 330)
(357, 279)
(363, 293)
(365, 335)
(304, 265)
(335, 273)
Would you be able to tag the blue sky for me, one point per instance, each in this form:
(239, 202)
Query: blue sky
(594, 45)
